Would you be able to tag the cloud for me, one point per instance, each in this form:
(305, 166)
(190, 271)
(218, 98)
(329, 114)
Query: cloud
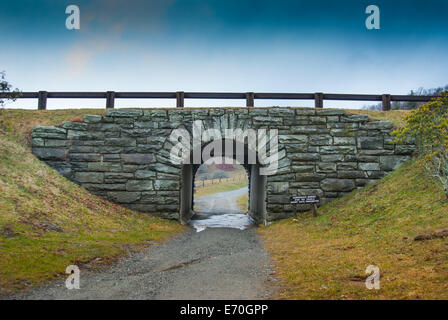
(80, 55)
(105, 24)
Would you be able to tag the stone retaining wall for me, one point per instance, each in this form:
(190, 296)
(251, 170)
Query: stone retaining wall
(124, 155)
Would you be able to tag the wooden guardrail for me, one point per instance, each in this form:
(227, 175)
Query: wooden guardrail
(235, 178)
(180, 97)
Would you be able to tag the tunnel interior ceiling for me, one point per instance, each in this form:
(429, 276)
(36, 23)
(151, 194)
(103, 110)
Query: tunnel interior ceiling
(124, 156)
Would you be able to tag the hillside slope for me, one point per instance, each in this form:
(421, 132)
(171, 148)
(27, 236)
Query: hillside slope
(326, 257)
(36, 203)
(48, 222)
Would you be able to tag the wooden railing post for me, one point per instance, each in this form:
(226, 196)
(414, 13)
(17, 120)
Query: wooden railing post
(180, 96)
(318, 100)
(385, 102)
(250, 99)
(42, 100)
(110, 99)
(180, 99)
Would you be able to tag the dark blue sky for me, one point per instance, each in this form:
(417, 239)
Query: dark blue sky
(227, 45)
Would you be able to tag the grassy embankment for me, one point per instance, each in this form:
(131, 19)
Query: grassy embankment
(35, 199)
(326, 257)
(219, 187)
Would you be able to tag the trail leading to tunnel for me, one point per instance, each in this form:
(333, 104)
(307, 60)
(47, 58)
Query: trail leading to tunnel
(216, 263)
(220, 210)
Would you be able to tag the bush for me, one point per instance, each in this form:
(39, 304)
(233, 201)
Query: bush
(6, 87)
(428, 126)
(220, 175)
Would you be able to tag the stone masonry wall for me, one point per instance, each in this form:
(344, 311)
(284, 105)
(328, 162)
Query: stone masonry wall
(124, 155)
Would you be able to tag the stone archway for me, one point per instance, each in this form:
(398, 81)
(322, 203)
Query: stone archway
(125, 155)
(256, 186)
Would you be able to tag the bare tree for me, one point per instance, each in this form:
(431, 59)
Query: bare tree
(410, 105)
(437, 168)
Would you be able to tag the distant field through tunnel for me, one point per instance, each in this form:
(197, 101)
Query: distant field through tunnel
(217, 175)
(221, 196)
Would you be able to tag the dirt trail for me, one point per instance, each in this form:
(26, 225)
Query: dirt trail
(216, 263)
(220, 203)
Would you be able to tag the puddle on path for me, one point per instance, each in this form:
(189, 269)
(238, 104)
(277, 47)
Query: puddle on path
(228, 220)
(220, 210)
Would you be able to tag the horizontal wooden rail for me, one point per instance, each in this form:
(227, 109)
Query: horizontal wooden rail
(180, 96)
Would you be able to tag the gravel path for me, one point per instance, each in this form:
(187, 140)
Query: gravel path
(220, 203)
(217, 263)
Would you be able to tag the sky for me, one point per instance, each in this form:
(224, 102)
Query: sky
(223, 46)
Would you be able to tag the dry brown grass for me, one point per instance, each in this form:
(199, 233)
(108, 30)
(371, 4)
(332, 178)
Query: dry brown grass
(395, 116)
(243, 202)
(326, 257)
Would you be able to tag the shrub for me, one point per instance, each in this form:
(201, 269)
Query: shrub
(428, 127)
(6, 87)
(220, 175)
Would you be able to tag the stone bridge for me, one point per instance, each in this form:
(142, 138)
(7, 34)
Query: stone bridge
(124, 156)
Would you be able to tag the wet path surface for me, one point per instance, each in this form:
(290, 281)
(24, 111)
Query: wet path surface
(220, 210)
(216, 263)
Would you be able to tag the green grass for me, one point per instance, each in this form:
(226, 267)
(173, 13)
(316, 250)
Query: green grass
(326, 257)
(219, 187)
(18, 124)
(32, 194)
(243, 202)
(395, 116)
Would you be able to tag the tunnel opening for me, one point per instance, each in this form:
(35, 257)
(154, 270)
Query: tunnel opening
(191, 182)
(220, 196)
(213, 178)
